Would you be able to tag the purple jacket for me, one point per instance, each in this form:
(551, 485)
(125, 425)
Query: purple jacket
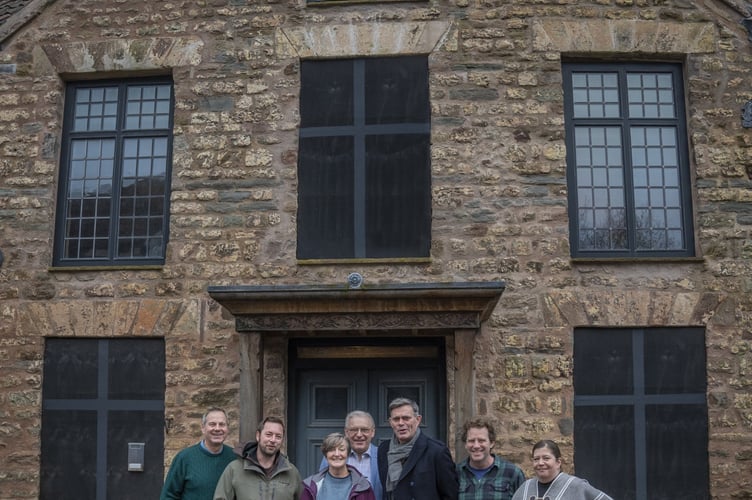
(361, 488)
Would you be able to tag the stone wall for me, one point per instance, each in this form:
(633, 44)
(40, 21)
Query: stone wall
(499, 196)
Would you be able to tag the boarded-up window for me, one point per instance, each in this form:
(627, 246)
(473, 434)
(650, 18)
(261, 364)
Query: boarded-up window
(99, 395)
(364, 162)
(640, 409)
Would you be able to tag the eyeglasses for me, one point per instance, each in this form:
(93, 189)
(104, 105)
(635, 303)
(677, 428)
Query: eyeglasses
(361, 430)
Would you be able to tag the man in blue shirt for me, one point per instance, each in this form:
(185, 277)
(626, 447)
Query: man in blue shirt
(483, 475)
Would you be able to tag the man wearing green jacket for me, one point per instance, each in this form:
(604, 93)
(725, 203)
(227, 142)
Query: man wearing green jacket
(261, 471)
(195, 470)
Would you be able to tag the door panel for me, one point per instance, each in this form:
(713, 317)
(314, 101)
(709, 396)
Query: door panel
(325, 397)
(418, 385)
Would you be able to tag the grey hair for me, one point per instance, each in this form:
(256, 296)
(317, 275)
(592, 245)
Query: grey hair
(212, 410)
(359, 414)
(397, 402)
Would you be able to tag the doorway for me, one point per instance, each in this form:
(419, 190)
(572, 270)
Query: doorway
(332, 377)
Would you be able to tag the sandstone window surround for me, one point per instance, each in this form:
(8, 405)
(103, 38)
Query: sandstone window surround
(115, 167)
(159, 56)
(628, 170)
(610, 40)
(368, 39)
(155, 55)
(364, 168)
(603, 38)
(348, 41)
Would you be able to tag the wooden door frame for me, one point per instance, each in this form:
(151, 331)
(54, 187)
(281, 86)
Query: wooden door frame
(266, 316)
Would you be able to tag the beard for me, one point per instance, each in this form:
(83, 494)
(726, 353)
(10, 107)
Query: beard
(268, 450)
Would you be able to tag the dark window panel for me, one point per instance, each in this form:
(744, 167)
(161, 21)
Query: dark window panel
(677, 452)
(605, 437)
(134, 366)
(398, 196)
(325, 198)
(326, 93)
(76, 427)
(603, 362)
(396, 90)
(675, 361)
(361, 100)
(70, 369)
(64, 467)
(669, 431)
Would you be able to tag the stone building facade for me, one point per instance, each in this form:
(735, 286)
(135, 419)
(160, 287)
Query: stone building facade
(495, 307)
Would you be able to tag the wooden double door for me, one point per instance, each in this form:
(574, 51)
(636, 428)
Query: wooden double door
(329, 381)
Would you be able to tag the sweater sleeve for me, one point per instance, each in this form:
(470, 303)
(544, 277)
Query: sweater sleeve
(593, 492)
(173, 486)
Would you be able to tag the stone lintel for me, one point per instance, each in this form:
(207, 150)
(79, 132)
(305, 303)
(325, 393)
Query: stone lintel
(143, 54)
(105, 318)
(623, 36)
(633, 308)
(360, 40)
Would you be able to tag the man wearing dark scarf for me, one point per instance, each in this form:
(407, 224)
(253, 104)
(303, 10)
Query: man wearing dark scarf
(413, 466)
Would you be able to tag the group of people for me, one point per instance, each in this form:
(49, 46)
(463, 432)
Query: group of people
(408, 466)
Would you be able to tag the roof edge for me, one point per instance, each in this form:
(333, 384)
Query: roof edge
(478, 297)
(21, 18)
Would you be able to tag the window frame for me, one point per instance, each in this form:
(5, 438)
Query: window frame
(108, 397)
(361, 132)
(641, 396)
(625, 123)
(119, 135)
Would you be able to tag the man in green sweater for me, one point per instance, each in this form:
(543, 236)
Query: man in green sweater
(195, 470)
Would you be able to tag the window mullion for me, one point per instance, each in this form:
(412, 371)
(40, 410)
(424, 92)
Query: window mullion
(359, 160)
(629, 199)
(640, 436)
(117, 172)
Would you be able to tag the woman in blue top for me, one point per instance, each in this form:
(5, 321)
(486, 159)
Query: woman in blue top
(338, 481)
